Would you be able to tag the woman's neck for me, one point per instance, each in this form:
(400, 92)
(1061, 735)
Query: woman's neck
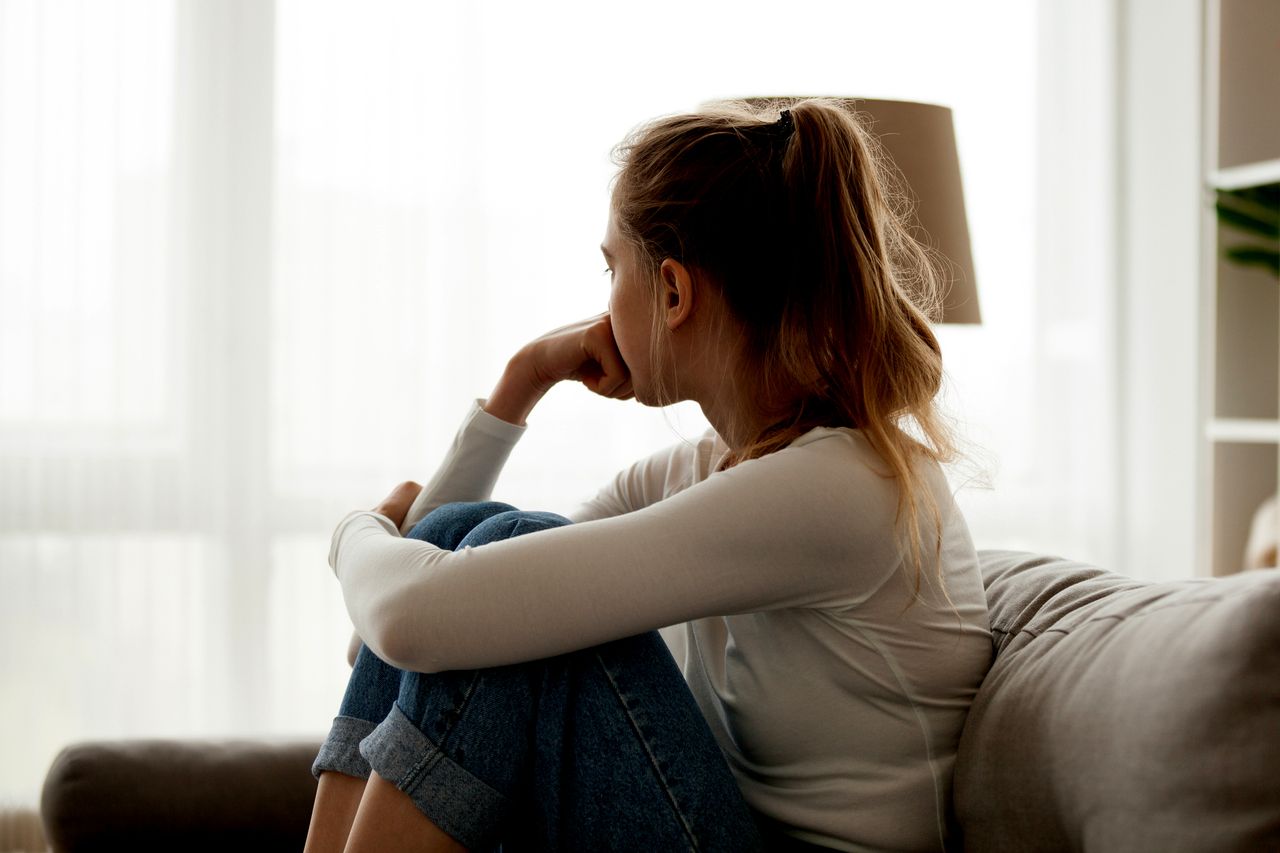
(739, 413)
(718, 373)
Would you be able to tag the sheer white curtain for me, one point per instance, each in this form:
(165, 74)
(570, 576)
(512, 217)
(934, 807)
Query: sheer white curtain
(256, 258)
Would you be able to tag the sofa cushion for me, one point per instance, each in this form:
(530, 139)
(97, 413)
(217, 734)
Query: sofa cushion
(143, 795)
(1123, 715)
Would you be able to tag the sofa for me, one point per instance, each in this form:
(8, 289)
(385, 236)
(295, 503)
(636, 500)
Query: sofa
(1118, 715)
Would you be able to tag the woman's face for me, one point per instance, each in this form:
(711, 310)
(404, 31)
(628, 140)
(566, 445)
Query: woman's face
(630, 313)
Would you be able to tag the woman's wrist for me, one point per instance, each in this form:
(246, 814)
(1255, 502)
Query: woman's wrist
(516, 393)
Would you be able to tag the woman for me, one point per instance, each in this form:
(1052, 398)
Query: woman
(511, 687)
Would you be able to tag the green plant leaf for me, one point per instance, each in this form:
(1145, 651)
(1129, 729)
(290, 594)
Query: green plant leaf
(1248, 220)
(1267, 195)
(1255, 211)
(1255, 256)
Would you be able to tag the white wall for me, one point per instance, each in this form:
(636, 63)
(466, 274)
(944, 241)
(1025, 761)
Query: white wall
(1159, 109)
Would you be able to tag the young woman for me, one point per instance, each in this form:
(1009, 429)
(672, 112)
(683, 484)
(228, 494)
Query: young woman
(830, 627)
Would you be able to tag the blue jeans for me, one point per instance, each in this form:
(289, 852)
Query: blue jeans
(598, 749)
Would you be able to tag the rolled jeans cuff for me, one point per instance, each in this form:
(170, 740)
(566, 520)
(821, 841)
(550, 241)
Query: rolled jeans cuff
(341, 749)
(449, 795)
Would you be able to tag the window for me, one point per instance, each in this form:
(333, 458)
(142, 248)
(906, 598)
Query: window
(257, 259)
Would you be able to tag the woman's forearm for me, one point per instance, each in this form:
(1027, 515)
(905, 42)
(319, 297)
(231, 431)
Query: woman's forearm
(516, 393)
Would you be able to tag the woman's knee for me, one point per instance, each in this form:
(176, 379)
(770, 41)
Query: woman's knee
(447, 525)
(509, 524)
(372, 687)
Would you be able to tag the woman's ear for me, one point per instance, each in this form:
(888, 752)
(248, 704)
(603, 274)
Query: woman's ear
(677, 286)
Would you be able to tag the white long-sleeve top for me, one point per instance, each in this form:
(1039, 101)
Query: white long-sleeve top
(781, 590)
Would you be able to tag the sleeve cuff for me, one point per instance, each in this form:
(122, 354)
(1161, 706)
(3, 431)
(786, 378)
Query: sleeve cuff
(471, 467)
(356, 519)
(492, 425)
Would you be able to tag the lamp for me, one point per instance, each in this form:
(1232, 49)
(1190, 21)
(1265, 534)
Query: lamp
(921, 141)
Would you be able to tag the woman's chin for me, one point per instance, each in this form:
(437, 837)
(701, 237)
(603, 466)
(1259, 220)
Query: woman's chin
(649, 400)
(647, 395)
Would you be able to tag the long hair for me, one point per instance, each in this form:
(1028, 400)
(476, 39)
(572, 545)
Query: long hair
(803, 229)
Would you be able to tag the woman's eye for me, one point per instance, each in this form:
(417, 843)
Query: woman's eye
(607, 271)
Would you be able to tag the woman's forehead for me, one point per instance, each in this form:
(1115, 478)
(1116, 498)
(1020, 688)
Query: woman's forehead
(611, 245)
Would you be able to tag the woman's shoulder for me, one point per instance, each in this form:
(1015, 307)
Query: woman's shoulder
(849, 478)
(838, 453)
(853, 447)
(685, 462)
(834, 467)
(839, 468)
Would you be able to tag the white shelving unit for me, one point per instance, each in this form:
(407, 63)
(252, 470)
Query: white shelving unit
(1248, 175)
(1240, 339)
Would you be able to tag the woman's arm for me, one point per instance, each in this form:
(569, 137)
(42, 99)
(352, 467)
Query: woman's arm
(797, 528)
(471, 465)
(584, 351)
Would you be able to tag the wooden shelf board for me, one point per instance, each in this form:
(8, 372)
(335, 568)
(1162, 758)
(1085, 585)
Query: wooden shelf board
(1247, 430)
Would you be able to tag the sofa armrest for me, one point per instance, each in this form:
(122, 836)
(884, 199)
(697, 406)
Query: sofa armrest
(180, 795)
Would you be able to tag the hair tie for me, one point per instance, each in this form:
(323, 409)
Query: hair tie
(780, 130)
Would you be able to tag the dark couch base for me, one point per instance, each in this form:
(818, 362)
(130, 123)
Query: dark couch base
(143, 795)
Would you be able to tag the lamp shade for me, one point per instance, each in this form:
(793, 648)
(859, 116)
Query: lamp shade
(921, 141)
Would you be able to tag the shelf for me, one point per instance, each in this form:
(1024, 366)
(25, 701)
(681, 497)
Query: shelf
(1244, 430)
(1248, 175)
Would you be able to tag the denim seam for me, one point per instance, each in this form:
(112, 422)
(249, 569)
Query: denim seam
(433, 756)
(429, 760)
(653, 759)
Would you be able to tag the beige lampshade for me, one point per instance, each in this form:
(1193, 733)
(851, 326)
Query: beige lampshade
(921, 140)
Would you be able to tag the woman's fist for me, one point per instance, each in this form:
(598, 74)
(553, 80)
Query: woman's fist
(585, 352)
(396, 505)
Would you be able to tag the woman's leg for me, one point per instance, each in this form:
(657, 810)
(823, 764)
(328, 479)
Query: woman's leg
(371, 691)
(603, 748)
(337, 802)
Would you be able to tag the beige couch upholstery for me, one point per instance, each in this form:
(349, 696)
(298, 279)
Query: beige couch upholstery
(1118, 716)
(1123, 716)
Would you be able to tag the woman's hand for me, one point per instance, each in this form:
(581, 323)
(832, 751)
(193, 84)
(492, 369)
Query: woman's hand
(396, 505)
(584, 351)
